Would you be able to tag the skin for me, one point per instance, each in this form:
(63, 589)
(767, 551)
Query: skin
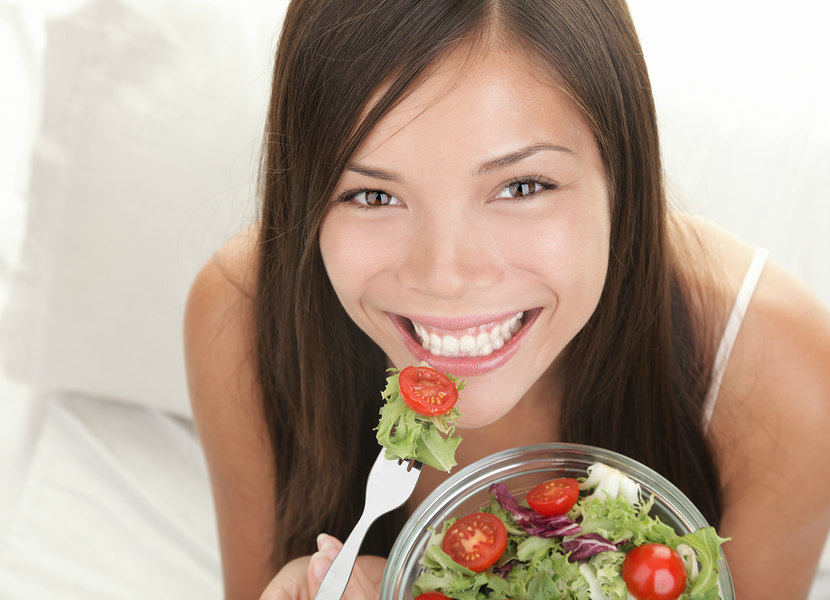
(454, 246)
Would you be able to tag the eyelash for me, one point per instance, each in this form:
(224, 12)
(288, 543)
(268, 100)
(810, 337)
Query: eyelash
(349, 196)
(544, 183)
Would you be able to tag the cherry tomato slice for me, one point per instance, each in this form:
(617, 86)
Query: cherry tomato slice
(427, 391)
(555, 497)
(476, 541)
(654, 572)
(432, 596)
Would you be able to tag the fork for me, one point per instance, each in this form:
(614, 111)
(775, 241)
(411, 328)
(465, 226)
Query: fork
(389, 485)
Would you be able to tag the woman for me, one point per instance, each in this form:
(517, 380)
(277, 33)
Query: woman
(436, 167)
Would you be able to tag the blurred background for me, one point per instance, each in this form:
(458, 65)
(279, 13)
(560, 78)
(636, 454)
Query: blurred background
(129, 139)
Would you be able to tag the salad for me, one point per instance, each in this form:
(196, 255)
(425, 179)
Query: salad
(586, 539)
(418, 419)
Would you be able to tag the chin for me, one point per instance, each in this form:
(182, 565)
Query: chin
(481, 404)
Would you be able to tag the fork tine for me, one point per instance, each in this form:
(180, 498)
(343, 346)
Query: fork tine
(411, 464)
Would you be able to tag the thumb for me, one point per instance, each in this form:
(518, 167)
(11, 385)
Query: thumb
(318, 566)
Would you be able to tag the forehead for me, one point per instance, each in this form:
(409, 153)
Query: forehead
(477, 100)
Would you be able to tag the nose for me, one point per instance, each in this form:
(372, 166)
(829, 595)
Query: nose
(451, 255)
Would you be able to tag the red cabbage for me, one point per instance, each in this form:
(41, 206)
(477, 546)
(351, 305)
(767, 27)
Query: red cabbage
(504, 570)
(586, 545)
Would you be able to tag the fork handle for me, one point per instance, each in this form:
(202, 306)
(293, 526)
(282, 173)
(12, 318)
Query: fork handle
(337, 577)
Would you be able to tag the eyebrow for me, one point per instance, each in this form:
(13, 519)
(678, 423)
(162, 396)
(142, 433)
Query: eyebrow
(512, 158)
(490, 166)
(374, 173)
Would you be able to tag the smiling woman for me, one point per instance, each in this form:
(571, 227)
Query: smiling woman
(480, 188)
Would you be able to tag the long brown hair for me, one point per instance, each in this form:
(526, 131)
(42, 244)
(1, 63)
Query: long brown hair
(639, 363)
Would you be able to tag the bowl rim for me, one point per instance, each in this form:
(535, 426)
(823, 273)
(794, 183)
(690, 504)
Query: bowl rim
(498, 466)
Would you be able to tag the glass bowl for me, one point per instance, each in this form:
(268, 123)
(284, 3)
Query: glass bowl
(520, 469)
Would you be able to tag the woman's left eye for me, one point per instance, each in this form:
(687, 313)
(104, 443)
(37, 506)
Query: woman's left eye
(523, 188)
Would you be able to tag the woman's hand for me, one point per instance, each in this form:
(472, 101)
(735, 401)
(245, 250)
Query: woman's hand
(300, 579)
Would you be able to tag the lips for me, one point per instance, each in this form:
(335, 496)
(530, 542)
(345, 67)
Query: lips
(466, 346)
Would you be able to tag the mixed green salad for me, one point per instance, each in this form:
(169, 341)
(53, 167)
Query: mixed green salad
(418, 419)
(586, 539)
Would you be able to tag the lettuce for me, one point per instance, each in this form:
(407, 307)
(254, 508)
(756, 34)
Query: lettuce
(408, 435)
(706, 542)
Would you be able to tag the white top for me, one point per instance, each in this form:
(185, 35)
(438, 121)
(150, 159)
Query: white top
(730, 332)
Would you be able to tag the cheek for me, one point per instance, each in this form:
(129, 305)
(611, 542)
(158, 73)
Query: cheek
(568, 251)
(337, 249)
(356, 256)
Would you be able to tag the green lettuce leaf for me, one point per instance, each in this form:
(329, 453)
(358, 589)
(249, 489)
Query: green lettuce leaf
(616, 520)
(706, 542)
(408, 435)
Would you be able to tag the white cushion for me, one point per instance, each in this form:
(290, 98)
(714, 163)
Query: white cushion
(145, 162)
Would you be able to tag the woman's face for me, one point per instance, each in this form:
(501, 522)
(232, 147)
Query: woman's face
(471, 230)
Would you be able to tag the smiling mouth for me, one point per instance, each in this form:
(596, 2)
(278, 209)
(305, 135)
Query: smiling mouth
(478, 340)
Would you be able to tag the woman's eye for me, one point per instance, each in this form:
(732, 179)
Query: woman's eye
(523, 189)
(374, 198)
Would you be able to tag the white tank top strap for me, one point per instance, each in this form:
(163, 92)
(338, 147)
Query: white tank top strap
(730, 332)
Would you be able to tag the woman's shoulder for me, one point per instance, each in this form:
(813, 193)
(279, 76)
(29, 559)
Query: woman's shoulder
(783, 344)
(219, 309)
(219, 328)
(234, 263)
(219, 316)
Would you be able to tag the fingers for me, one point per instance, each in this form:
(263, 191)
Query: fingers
(362, 584)
(327, 549)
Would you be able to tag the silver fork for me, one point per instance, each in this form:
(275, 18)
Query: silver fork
(390, 484)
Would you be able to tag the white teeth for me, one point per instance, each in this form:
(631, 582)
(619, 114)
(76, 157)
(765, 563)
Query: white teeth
(475, 341)
(449, 345)
(435, 342)
(515, 326)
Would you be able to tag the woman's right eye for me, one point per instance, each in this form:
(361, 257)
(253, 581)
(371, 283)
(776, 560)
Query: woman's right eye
(372, 198)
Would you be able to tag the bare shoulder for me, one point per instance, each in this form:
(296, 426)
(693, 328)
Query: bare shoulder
(236, 260)
(784, 339)
(771, 423)
(219, 339)
(782, 351)
(219, 327)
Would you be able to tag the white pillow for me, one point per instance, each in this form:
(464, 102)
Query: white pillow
(144, 163)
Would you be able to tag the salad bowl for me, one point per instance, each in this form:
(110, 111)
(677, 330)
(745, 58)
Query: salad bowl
(520, 469)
